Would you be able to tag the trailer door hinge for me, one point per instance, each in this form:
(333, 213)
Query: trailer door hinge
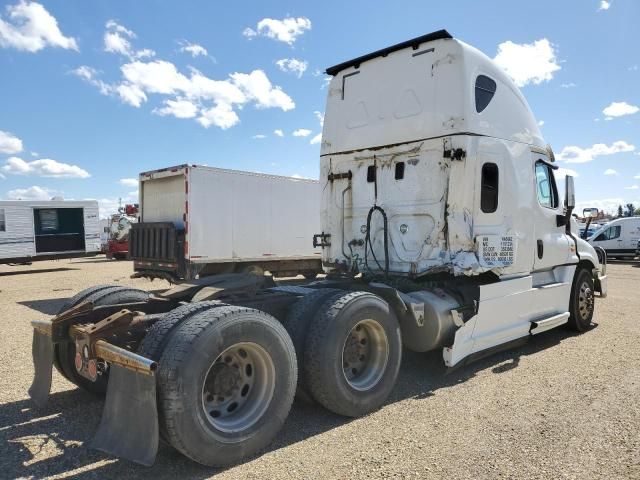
(322, 240)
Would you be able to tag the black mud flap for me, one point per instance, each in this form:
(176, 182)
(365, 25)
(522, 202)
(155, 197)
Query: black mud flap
(129, 425)
(42, 351)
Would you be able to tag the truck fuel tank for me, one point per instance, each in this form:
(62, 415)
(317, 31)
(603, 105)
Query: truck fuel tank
(429, 322)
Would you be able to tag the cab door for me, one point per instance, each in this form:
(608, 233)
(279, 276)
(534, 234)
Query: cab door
(551, 244)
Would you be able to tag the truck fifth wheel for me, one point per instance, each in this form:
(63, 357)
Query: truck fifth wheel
(442, 227)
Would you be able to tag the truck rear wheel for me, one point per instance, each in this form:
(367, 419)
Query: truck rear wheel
(226, 382)
(581, 303)
(158, 335)
(353, 353)
(297, 324)
(66, 351)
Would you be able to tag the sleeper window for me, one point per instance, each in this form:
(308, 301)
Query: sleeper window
(489, 188)
(3, 225)
(485, 90)
(546, 186)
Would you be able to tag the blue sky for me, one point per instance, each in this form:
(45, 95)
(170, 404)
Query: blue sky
(94, 92)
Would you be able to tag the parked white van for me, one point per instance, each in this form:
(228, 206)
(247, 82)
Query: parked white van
(619, 238)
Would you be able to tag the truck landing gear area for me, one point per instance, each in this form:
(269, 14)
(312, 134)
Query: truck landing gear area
(480, 260)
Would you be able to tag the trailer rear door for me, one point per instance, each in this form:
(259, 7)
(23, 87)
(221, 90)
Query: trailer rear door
(163, 197)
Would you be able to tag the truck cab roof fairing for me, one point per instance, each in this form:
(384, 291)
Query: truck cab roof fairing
(413, 43)
(399, 95)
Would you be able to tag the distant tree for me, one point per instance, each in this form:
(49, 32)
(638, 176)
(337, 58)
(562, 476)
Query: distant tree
(637, 212)
(630, 209)
(620, 212)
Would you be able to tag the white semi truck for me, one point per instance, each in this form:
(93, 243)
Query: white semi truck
(197, 221)
(442, 228)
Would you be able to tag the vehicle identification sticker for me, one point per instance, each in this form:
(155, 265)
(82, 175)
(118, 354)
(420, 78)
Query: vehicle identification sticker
(496, 250)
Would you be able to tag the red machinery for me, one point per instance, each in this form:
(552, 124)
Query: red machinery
(119, 227)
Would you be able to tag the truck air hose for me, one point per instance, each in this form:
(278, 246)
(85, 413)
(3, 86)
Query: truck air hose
(367, 241)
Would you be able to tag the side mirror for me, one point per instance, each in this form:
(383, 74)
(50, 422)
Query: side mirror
(590, 213)
(570, 193)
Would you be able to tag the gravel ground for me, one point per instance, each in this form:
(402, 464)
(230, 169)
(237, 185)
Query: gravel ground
(562, 406)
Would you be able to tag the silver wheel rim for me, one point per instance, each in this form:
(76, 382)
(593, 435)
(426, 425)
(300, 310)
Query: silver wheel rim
(365, 355)
(585, 301)
(238, 387)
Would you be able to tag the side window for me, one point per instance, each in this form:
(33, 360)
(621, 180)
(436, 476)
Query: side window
(485, 90)
(609, 234)
(489, 188)
(3, 224)
(614, 232)
(546, 186)
(48, 220)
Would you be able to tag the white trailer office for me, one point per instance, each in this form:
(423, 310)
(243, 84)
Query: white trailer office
(41, 230)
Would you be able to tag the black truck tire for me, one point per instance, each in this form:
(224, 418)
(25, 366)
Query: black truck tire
(66, 351)
(226, 382)
(353, 353)
(581, 302)
(158, 335)
(297, 323)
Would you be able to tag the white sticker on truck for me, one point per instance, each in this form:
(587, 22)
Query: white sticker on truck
(496, 250)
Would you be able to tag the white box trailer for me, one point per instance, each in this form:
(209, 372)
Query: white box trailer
(198, 220)
(43, 230)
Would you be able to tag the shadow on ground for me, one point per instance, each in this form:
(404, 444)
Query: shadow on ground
(71, 418)
(39, 270)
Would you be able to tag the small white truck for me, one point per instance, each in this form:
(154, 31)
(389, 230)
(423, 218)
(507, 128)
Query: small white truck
(619, 238)
(441, 228)
(197, 221)
(48, 229)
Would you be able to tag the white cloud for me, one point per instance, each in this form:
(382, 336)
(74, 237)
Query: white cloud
(31, 193)
(632, 187)
(256, 86)
(610, 171)
(9, 143)
(221, 115)
(90, 75)
(560, 173)
(569, 85)
(316, 139)
(117, 40)
(131, 94)
(301, 132)
(633, 68)
(179, 108)
(619, 109)
(528, 62)
(286, 30)
(320, 117)
(604, 5)
(128, 182)
(292, 65)
(573, 154)
(193, 95)
(193, 49)
(541, 123)
(30, 27)
(259, 136)
(278, 133)
(45, 167)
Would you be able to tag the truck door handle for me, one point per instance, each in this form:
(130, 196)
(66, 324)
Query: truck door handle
(540, 249)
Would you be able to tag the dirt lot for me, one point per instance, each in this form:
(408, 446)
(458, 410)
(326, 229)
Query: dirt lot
(563, 406)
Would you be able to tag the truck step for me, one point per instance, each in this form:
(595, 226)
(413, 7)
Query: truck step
(544, 324)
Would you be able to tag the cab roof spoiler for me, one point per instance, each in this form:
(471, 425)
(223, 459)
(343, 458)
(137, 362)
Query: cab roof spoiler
(414, 43)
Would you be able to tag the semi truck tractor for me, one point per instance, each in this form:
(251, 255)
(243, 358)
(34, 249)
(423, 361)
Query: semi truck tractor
(442, 227)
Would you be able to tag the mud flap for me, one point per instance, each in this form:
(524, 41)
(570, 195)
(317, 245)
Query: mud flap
(42, 352)
(129, 424)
